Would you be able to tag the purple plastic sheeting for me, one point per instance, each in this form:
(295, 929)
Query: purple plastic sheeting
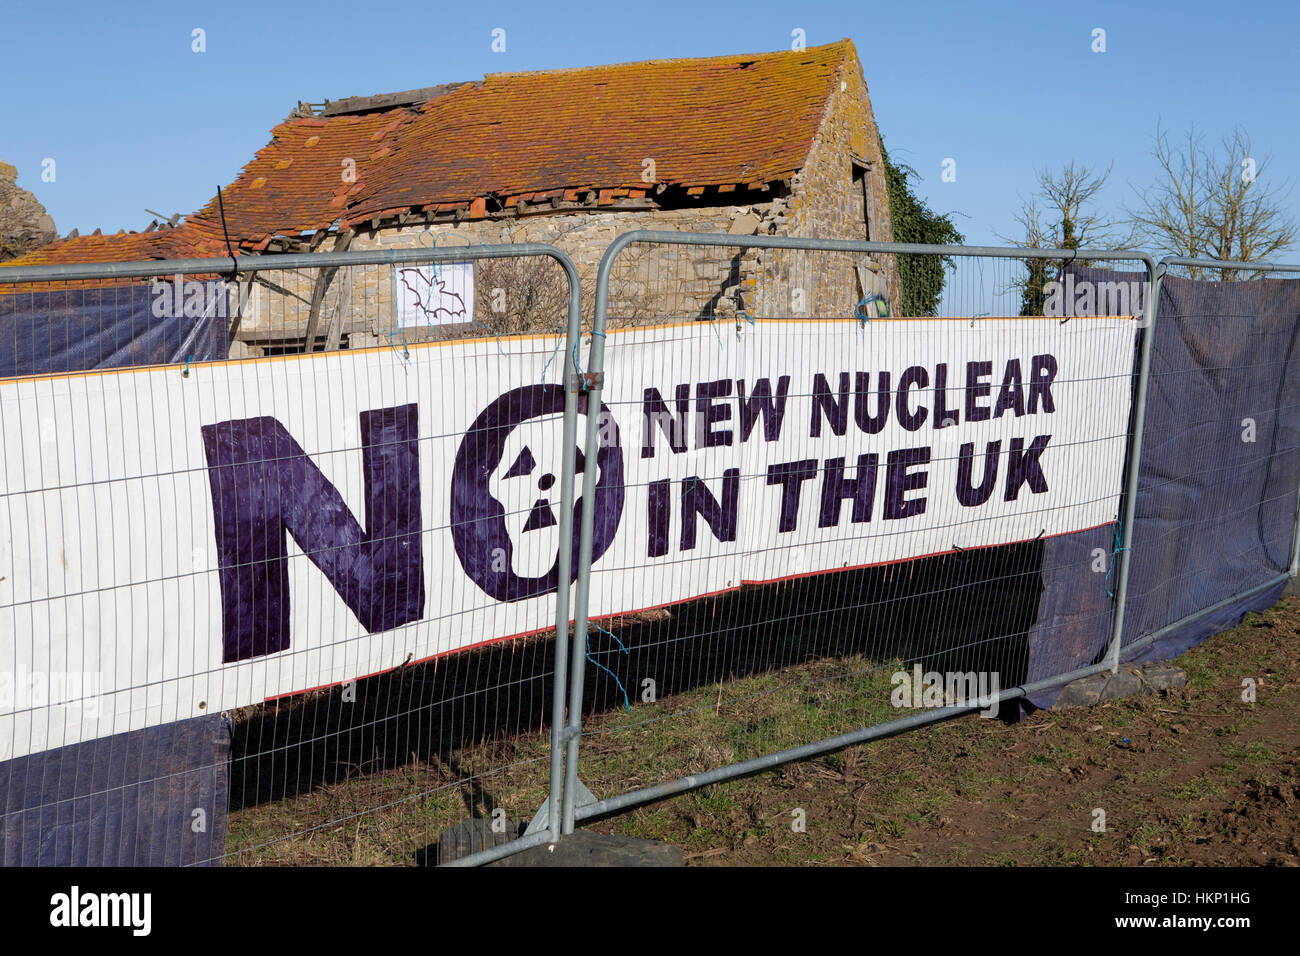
(78, 329)
(263, 484)
(153, 797)
(1217, 486)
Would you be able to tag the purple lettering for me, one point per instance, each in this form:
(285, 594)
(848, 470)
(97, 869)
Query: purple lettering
(871, 424)
(977, 388)
(898, 482)
(759, 403)
(836, 488)
(698, 500)
(791, 476)
(264, 484)
(1042, 371)
(709, 414)
(836, 411)
(1023, 466)
(655, 412)
(918, 376)
(969, 495)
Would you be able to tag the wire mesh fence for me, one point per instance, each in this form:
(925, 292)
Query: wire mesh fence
(844, 511)
(1217, 506)
(302, 528)
(216, 526)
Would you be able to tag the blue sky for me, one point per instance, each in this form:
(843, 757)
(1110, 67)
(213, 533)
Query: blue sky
(134, 118)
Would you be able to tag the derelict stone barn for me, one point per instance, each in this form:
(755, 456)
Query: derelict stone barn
(774, 144)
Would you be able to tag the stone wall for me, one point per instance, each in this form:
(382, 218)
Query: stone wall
(650, 284)
(826, 202)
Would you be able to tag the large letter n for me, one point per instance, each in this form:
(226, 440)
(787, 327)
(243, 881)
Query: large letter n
(263, 484)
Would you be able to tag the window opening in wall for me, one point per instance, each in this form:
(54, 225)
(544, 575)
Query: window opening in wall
(862, 187)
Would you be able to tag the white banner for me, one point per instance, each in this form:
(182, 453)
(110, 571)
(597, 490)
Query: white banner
(179, 545)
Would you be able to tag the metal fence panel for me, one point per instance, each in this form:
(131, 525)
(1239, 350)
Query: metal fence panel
(814, 521)
(1216, 529)
(787, 594)
(253, 530)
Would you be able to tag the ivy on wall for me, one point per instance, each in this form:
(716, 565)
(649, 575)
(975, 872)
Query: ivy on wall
(922, 277)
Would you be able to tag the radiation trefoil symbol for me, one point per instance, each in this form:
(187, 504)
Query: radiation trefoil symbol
(506, 493)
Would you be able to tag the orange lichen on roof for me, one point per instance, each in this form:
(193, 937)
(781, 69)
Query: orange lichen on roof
(705, 122)
(698, 123)
(319, 157)
(179, 243)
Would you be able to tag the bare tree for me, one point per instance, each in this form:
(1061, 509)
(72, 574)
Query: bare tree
(520, 294)
(1060, 214)
(1213, 203)
(530, 294)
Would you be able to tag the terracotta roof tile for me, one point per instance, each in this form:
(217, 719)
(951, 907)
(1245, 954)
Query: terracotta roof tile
(186, 241)
(179, 243)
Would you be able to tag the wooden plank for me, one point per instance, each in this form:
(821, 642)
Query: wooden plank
(334, 331)
(243, 289)
(323, 278)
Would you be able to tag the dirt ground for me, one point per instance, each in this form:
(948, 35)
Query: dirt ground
(1193, 776)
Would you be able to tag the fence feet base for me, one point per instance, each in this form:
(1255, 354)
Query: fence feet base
(541, 819)
(582, 796)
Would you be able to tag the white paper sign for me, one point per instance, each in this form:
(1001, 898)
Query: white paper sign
(437, 294)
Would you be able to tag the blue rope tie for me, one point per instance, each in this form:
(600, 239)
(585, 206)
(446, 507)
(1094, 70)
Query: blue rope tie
(495, 334)
(433, 269)
(406, 353)
(576, 363)
(554, 352)
(627, 705)
(714, 323)
(861, 313)
(614, 636)
(1119, 536)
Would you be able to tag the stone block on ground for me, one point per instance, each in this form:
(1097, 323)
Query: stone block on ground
(1147, 678)
(582, 848)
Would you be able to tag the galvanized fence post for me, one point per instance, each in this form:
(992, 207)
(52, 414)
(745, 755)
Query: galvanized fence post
(1137, 421)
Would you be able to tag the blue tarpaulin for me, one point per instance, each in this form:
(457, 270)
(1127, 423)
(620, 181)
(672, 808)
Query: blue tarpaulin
(153, 797)
(77, 329)
(1217, 484)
